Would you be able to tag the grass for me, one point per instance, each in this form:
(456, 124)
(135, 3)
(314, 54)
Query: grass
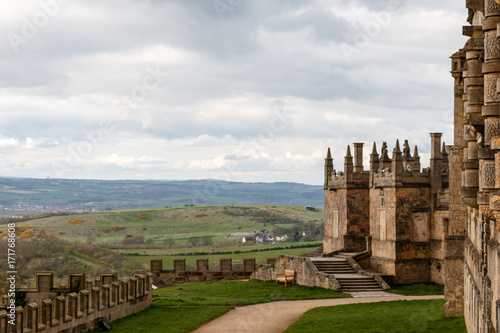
(213, 260)
(178, 223)
(164, 319)
(248, 292)
(182, 308)
(398, 316)
(418, 289)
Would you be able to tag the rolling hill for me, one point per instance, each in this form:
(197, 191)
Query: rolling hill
(22, 196)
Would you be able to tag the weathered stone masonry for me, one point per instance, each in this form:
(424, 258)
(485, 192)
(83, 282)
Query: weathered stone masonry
(398, 208)
(77, 311)
(440, 224)
(473, 267)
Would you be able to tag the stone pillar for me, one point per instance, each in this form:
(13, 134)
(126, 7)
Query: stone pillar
(32, 317)
(358, 157)
(61, 309)
(47, 312)
(115, 287)
(84, 302)
(436, 163)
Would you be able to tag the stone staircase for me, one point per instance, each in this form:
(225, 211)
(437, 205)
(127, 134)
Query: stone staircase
(346, 275)
(334, 267)
(357, 284)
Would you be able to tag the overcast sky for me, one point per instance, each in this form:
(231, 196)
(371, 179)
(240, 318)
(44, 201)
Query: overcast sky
(240, 90)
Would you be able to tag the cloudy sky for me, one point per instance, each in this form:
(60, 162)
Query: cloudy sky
(240, 90)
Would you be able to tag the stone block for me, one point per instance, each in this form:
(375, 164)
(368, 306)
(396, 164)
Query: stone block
(44, 281)
(179, 265)
(226, 264)
(270, 261)
(202, 265)
(156, 265)
(248, 265)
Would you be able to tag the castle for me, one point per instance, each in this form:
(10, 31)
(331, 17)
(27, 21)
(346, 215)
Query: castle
(439, 224)
(399, 210)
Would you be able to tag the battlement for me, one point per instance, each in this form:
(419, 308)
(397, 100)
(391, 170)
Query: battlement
(402, 168)
(84, 303)
(388, 177)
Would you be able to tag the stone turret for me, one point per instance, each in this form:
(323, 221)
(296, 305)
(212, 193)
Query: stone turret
(328, 167)
(397, 162)
(416, 160)
(348, 164)
(374, 162)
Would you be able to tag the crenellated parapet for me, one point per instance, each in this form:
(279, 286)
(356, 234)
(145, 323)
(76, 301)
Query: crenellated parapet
(78, 308)
(403, 169)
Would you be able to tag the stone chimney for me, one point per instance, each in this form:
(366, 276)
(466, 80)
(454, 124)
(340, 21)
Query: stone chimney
(358, 157)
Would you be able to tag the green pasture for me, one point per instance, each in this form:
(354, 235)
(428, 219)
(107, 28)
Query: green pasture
(178, 223)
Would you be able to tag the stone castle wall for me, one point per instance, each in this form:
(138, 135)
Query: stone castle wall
(77, 311)
(473, 235)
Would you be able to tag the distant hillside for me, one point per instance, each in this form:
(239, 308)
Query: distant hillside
(20, 196)
(176, 224)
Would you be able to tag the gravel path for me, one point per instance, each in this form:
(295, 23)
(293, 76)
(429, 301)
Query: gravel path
(278, 316)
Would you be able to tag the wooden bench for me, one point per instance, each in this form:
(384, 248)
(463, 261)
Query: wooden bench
(288, 277)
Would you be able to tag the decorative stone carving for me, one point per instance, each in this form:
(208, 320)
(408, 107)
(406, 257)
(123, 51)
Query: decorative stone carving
(491, 46)
(490, 89)
(491, 128)
(487, 174)
(492, 8)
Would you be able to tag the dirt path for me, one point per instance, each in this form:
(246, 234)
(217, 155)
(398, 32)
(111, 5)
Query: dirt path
(275, 317)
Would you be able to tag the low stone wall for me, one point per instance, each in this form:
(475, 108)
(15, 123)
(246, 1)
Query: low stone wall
(306, 274)
(77, 311)
(226, 271)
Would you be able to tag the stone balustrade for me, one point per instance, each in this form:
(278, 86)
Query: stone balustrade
(80, 310)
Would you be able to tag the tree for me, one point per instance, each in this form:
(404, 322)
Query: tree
(194, 240)
(206, 240)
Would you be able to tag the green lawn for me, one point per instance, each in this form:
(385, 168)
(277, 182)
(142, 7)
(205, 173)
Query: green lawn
(398, 316)
(164, 319)
(182, 308)
(213, 260)
(418, 289)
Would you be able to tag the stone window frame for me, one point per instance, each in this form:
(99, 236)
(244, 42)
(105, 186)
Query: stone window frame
(429, 217)
(335, 222)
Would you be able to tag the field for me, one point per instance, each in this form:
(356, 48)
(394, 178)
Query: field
(178, 223)
(168, 233)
